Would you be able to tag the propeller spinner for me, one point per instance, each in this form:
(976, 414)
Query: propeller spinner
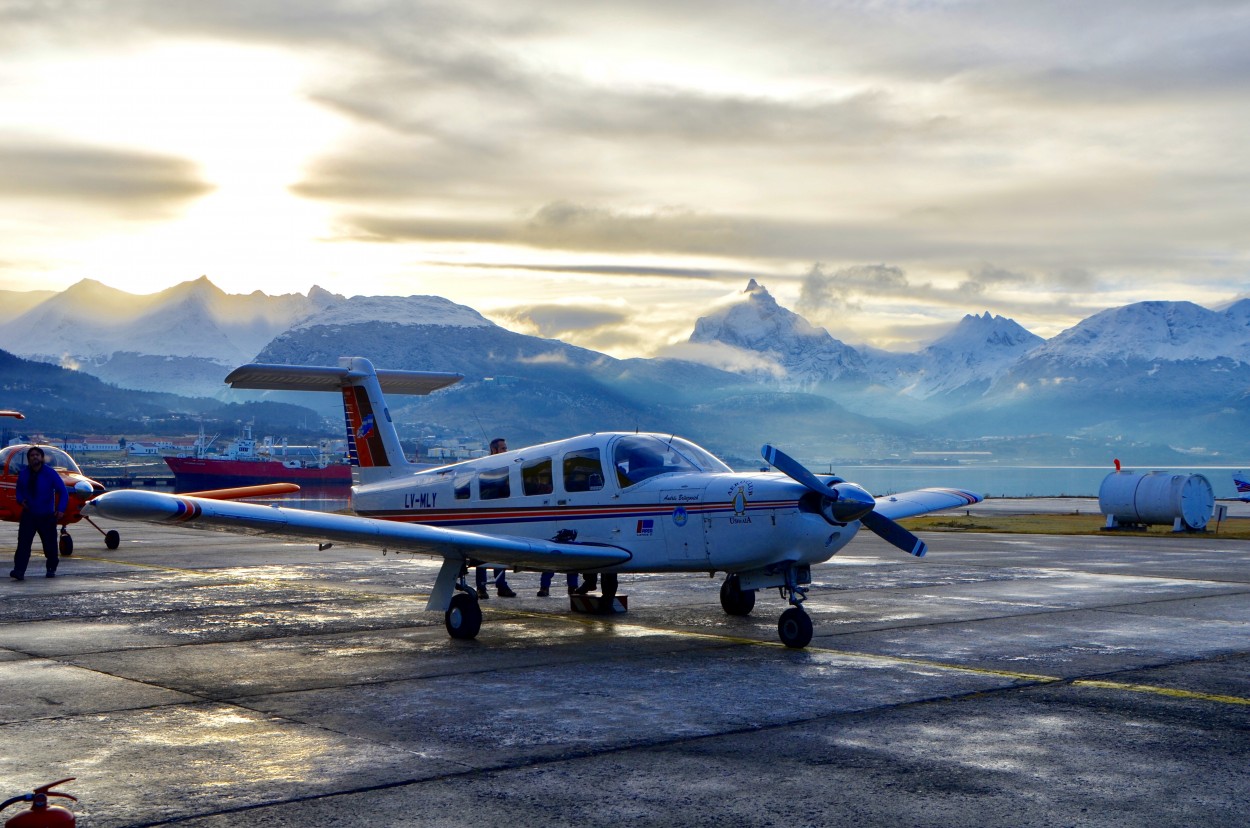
(843, 502)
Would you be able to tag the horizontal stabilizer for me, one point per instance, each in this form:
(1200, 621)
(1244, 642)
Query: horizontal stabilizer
(263, 377)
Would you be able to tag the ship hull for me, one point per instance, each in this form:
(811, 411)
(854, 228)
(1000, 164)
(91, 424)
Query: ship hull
(198, 474)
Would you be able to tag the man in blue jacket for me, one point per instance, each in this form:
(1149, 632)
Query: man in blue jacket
(43, 498)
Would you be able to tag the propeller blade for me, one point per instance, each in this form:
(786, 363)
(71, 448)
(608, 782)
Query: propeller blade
(793, 469)
(891, 532)
(842, 501)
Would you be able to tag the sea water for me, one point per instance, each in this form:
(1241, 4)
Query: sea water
(1011, 481)
(985, 479)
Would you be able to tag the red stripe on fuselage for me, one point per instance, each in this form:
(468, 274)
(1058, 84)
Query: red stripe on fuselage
(539, 513)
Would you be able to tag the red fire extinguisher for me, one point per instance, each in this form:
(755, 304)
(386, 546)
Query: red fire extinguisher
(41, 814)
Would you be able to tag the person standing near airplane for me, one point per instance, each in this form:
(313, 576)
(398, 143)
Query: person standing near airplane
(43, 498)
(497, 446)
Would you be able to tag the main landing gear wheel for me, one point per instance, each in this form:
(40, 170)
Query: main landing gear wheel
(734, 599)
(795, 628)
(463, 617)
(66, 544)
(112, 539)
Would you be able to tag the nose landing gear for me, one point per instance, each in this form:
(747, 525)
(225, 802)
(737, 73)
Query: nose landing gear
(737, 597)
(794, 628)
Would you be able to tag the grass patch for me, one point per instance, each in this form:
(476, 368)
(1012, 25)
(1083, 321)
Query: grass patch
(1070, 524)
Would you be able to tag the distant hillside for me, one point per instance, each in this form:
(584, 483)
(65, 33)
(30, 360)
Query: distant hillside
(57, 401)
(1173, 376)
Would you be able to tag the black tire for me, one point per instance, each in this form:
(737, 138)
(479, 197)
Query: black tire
(66, 545)
(112, 539)
(463, 617)
(734, 599)
(795, 628)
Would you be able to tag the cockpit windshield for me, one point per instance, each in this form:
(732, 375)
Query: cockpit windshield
(701, 457)
(53, 457)
(638, 457)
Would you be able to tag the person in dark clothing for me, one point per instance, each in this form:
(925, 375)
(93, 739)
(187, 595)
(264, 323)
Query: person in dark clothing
(43, 498)
(497, 446)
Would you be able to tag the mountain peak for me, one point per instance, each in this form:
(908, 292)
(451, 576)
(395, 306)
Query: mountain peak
(759, 325)
(1175, 331)
(201, 288)
(974, 332)
(404, 310)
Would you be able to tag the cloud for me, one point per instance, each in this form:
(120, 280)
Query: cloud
(557, 321)
(629, 271)
(597, 326)
(725, 357)
(843, 289)
(130, 183)
(564, 225)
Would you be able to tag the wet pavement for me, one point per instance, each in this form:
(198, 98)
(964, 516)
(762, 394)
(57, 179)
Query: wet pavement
(200, 679)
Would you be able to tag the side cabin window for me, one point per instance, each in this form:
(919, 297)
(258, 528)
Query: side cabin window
(536, 477)
(493, 484)
(583, 471)
(461, 485)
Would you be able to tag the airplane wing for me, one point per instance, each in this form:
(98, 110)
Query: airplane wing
(922, 501)
(255, 519)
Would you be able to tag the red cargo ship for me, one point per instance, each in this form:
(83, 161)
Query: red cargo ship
(244, 464)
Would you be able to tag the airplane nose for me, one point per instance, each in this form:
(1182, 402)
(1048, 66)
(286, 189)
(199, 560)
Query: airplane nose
(853, 502)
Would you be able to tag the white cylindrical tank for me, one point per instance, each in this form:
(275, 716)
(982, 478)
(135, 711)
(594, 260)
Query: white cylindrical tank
(1157, 498)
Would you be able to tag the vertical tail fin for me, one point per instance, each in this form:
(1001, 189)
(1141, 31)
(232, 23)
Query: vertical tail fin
(373, 443)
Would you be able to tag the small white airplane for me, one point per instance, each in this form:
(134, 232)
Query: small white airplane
(607, 504)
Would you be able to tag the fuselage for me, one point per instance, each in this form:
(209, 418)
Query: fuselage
(671, 504)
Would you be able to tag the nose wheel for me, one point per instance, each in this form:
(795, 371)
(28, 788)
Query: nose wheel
(111, 538)
(794, 628)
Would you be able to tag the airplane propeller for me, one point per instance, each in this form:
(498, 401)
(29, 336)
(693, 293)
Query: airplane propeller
(843, 502)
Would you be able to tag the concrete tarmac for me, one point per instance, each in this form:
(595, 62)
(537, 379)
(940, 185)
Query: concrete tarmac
(205, 680)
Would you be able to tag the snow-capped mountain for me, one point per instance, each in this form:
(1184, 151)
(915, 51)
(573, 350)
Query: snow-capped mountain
(176, 340)
(968, 358)
(786, 347)
(792, 351)
(1172, 372)
(410, 310)
(1171, 331)
(90, 321)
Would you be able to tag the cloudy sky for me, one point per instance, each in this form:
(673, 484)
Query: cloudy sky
(605, 172)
